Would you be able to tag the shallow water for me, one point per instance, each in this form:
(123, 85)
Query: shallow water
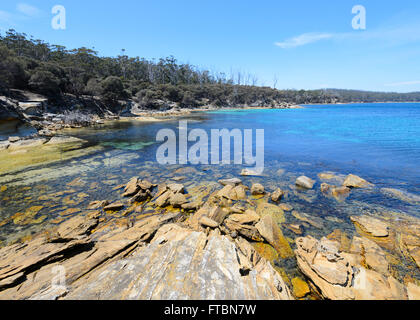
(379, 142)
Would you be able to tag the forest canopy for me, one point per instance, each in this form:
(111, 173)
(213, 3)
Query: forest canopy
(53, 70)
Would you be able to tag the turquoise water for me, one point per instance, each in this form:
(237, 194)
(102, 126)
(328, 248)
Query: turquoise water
(379, 142)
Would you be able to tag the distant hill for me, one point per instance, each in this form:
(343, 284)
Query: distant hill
(343, 95)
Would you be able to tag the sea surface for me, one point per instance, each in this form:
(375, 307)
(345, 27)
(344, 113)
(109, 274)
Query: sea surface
(379, 142)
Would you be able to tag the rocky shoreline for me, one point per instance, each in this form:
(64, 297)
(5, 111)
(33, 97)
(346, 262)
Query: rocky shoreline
(35, 112)
(188, 244)
(172, 241)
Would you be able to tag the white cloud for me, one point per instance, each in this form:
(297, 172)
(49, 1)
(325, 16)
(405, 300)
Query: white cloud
(24, 12)
(404, 83)
(303, 39)
(28, 10)
(389, 36)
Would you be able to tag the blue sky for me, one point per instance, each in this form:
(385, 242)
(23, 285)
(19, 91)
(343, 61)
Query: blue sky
(305, 44)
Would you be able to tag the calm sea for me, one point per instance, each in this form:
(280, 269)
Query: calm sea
(379, 142)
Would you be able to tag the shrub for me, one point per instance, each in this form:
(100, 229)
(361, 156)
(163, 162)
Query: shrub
(188, 100)
(172, 93)
(112, 89)
(93, 87)
(45, 82)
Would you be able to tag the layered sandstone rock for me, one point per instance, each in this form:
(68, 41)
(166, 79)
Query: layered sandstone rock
(26, 270)
(341, 275)
(371, 225)
(180, 263)
(158, 257)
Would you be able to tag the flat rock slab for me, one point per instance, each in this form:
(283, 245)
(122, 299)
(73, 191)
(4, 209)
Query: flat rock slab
(22, 144)
(251, 172)
(373, 226)
(401, 195)
(62, 139)
(182, 264)
(233, 182)
(26, 269)
(116, 206)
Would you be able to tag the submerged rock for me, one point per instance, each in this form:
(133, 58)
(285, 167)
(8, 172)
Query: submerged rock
(265, 208)
(250, 172)
(296, 228)
(353, 181)
(277, 195)
(305, 182)
(313, 221)
(300, 288)
(26, 217)
(401, 195)
(233, 182)
(116, 206)
(30, 143)
(62, 140)
(337, 192)
(280, 172)
(257, 189)
(285, 207)
(327, 176)
(98, 204)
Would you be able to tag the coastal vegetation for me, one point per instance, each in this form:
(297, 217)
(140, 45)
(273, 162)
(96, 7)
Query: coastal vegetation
(56, 72)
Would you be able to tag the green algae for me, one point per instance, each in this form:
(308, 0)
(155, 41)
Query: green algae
(13, 161)
(133, 146)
